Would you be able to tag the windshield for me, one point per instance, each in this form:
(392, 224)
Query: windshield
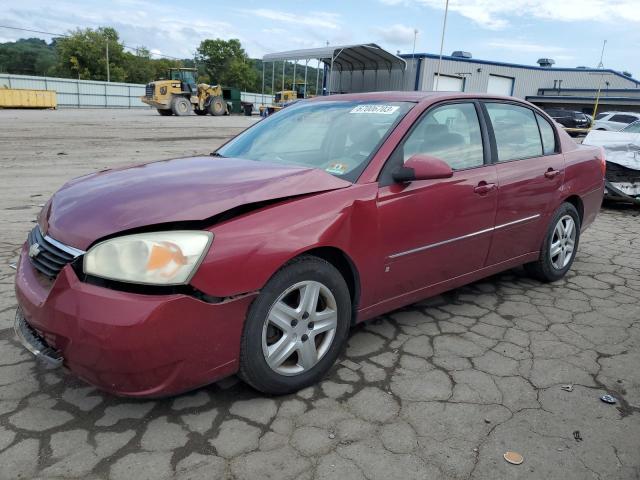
(339, 137)
(633, 128)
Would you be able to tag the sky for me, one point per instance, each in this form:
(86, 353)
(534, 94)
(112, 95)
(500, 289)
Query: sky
(519, 31)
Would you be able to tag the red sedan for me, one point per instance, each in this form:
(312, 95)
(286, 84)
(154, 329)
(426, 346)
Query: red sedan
(156, 279)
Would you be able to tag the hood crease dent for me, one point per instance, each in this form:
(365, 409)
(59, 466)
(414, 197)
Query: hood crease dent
(102, 204)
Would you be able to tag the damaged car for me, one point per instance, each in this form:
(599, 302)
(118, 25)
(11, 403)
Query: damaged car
(622, 180)
(156, 279)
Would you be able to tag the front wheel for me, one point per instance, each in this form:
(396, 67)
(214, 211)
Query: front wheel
(180, 106)
(559, 247)
(296, 328)
(217, 106)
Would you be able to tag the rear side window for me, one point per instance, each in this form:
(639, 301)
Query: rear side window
(451, 133)
(516, 131)
(623, 118)
(548, 137)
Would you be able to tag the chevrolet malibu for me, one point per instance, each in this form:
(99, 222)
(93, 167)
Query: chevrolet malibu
(159, 278)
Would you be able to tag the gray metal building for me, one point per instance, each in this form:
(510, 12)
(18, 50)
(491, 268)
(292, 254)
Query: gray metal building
(541, 84)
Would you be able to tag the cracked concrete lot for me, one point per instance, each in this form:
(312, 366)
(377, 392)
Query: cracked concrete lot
(438, 390)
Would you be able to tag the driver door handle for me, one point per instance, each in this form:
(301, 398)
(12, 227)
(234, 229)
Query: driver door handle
(484, 188)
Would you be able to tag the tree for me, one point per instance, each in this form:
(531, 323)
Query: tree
(30, 56)
(83, 55)
(225, 62)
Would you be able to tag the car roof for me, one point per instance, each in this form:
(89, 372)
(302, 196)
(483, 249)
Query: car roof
(409, 96)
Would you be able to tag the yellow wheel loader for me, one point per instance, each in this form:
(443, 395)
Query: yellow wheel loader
(284, 98)
(179, 95)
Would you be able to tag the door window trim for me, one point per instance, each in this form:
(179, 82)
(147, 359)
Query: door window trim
(385, 178)
(494, 145)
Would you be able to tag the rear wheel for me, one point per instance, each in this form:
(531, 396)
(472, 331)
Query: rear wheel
(559, 247)
(296, 328)
(180, 106)
(164, 112)
(217, 106)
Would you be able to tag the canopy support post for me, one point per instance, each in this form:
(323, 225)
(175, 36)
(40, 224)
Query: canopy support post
(318, 76)
(293, 82)
(330, 76)
(305, 78)
(273, 78)
(284, 62)
(263, 83)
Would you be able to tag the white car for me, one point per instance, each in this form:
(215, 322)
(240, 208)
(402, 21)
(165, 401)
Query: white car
(614, 121)
(622, 149)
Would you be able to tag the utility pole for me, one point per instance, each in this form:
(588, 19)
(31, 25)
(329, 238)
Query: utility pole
(108, 75)
(415, 35)
(601, 65)
(444, 27)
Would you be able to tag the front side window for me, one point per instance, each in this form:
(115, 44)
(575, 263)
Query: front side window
(516, 131)
(548, 137)
(451, 133)
(339, 137)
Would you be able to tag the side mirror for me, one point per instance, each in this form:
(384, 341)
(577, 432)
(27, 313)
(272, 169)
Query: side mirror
(422, 167)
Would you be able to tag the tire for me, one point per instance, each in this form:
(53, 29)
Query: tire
(164, 113)
(548, 267)
(180, 106)
(217, 106)
(199, 112)
(292, 365)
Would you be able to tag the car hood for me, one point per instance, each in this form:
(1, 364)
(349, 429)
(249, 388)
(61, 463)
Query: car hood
(620, 147)
(185, 189)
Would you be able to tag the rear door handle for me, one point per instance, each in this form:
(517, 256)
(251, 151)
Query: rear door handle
(551, 173)
(484, 188)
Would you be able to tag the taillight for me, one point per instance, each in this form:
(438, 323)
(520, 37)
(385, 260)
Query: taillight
(603, 161)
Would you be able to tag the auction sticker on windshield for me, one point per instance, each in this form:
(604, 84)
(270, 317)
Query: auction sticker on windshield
(382, 109)
(337, 168)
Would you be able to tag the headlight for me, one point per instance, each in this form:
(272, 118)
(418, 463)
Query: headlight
(161, 258)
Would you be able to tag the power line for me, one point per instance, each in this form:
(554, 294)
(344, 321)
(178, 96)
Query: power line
(67, 36)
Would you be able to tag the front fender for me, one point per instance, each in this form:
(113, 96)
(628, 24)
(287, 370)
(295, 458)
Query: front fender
(248, 250)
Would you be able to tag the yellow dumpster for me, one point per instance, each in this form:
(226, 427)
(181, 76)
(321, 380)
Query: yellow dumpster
(19, 98)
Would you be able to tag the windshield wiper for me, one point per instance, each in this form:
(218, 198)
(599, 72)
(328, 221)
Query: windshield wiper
(216, 154)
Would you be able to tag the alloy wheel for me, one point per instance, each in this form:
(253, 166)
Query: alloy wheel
(563, 242)
(299, 328)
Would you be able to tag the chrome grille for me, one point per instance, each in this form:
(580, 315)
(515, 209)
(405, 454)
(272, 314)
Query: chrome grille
(49, 256)
(148, 90)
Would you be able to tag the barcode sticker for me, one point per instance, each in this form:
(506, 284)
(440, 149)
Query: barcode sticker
(380, 109)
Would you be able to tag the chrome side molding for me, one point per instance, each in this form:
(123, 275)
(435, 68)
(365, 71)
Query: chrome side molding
(463, 237)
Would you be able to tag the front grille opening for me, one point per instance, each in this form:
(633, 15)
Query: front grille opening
(46, 257)
(148, 90)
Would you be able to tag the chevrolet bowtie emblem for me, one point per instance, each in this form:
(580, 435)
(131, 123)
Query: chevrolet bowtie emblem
(34, 250)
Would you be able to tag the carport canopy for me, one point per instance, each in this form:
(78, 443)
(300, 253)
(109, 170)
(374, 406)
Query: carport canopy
(350, 58)
(366, 56)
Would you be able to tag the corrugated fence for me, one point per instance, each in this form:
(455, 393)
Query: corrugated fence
(91, 94)
(81, 93)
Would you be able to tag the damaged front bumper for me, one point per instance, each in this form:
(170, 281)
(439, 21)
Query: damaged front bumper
(129, 344)
(622, 184)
